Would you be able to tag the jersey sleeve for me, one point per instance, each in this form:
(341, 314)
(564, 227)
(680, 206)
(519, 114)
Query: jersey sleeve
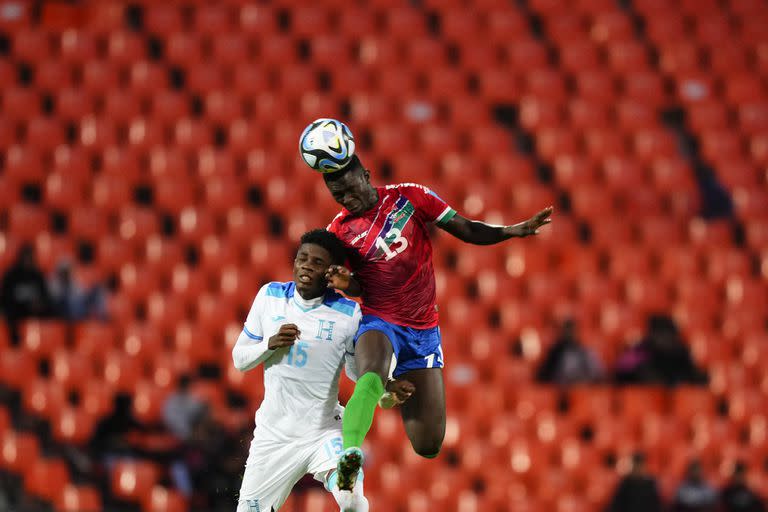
(250, 350)
(350, 366)
(428, 205)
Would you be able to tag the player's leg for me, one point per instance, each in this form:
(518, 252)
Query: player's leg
(348, 501)
(424, 413)
(421, 363)
(322, 464)
(373, 354)
(271, 471)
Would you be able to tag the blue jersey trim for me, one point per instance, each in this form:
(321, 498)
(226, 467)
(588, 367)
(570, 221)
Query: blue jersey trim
(338, 303)
(251, 335)
(281, 290)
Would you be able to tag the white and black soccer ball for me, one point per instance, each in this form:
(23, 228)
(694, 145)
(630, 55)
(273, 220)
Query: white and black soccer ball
(326, 145)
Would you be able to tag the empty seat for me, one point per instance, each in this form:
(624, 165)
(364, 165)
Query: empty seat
(133, 480)
(162, 499)
(19, 451)
(79, 499)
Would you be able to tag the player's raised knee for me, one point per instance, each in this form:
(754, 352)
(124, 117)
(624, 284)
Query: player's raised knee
(428, 449)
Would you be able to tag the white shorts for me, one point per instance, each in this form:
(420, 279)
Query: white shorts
(273, 467)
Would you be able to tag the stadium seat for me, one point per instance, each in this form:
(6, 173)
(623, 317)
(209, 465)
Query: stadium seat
(69, 368)
(148, 400)
(43, 398)
(162, 499)
(79, 499)
(96, 398)
(121, 371)
(47, 478)
(73, 426)
(19, 452)
(42, 338)
(133, 480)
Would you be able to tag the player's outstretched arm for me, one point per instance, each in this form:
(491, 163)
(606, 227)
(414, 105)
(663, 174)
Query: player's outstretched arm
(341, 278)
(481, 233)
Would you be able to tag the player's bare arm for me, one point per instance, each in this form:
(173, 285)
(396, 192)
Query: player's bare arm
(481, 233)
(285, 337)
(341, 278)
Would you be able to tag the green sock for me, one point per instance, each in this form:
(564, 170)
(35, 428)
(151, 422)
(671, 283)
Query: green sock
(358, 414)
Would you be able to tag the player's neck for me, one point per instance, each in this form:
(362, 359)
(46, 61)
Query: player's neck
(306, 297)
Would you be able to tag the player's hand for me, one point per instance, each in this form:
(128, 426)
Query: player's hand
(398, 391)
(338, 276)
(286, 335)
(403, 389)
(532, 225)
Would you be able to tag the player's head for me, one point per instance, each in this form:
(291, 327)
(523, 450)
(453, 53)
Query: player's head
(318, 250)
(351, 187)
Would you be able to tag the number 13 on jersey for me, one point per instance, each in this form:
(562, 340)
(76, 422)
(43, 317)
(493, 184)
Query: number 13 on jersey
(398, 245)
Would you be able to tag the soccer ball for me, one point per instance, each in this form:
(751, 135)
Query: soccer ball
(326, 145)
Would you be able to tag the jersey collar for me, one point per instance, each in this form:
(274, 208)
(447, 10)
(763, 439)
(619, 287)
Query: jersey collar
(307, 304)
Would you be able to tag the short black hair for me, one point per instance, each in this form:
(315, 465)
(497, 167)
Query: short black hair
(327, 241)
(353, 165)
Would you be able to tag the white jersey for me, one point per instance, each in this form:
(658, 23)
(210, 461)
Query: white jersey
(301, 383)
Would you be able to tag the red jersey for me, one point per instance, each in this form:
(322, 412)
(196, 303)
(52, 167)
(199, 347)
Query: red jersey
(392, 253)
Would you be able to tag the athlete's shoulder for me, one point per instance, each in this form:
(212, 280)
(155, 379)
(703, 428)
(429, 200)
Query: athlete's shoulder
(408, 187)
(278, 289)
(341, 304)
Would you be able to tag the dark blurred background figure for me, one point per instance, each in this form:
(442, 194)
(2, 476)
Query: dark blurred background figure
(568, 361)
(71, 300)
(637, 491)
(23, 292)
(661, 357)
(182, 412)
(694, 493)
(736, 496)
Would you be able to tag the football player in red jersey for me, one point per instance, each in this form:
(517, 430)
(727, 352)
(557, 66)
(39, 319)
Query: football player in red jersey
(386, 231)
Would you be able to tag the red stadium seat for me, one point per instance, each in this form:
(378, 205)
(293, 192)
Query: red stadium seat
(148, 402)
(125, 47)
(78, 46)
(43, 398)
(213, 20)
(42, 338)
(44, 134)
(87, 223)
(121, 371)
(589, 114)
(19, 452)
(133, 480)
(162, 499)
(17, 365)
(69, 368)
(61, 192)
(628, 56)
(611, 26)
(526, 54)
(74, 426)
(79, 499)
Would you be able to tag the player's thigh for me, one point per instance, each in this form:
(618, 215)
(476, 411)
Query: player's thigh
(325, 452)
(373, 353)
(271, 471)
(424, 412)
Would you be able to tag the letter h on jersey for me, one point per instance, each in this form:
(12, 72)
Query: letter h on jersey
(325, 332)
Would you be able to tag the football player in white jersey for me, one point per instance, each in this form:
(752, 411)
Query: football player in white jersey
(303, 333)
